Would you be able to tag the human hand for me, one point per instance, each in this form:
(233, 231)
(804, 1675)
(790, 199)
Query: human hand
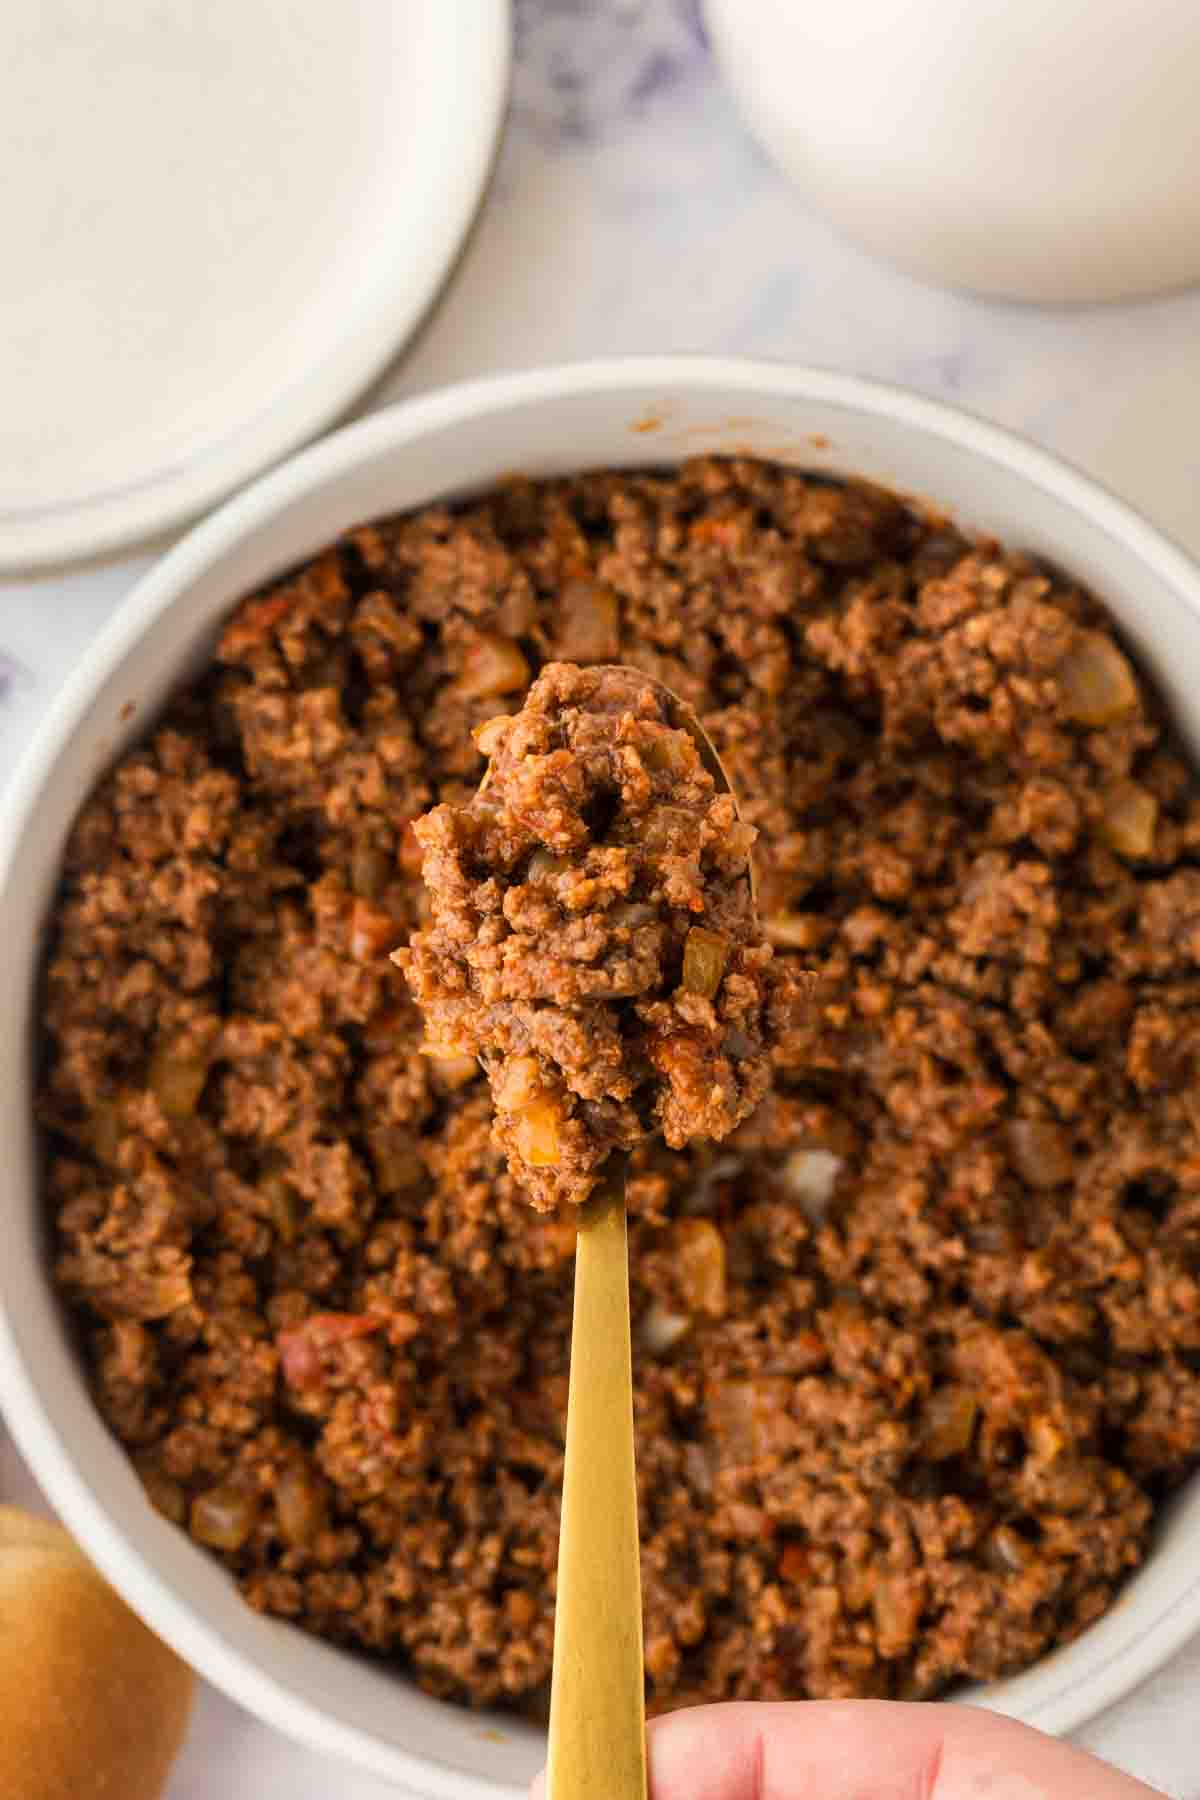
(867, 1750)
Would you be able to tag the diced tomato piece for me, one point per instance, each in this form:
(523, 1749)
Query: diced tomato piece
(301, 1346)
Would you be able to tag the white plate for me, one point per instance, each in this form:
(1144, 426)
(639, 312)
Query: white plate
(219, 223)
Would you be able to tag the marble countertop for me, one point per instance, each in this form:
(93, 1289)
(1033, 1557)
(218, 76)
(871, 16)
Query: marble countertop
(630, 212)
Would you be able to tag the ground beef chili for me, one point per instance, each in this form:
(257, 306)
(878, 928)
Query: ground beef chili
(918, 1347)
(594, 940)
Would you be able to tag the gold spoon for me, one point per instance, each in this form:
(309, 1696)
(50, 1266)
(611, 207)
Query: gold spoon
(597, 1694)
(597, 1748)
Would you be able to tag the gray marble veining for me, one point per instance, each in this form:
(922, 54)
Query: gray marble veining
(583, 71)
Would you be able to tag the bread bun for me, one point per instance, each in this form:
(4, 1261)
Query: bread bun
(92, 1705)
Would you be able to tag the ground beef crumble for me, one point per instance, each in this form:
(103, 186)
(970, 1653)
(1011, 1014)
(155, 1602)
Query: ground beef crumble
(918, 1347)
(594, 941)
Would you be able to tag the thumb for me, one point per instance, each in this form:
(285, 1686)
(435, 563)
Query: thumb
(866, 1750)
(869, 1750)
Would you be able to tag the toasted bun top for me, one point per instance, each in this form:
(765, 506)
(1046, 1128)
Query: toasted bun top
(92, 1705)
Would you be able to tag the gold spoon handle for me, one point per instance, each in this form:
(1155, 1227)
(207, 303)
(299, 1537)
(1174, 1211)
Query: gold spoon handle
(597, 1698)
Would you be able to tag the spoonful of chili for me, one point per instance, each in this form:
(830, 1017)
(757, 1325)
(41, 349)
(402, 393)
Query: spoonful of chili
(594, 942)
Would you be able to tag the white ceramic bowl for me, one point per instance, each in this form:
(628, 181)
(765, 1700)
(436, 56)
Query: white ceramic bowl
(451, 443)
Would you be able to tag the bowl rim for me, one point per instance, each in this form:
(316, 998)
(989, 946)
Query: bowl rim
(30, 1413)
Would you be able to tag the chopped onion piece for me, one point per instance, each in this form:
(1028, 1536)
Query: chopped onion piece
(705, 954)
(165, 1496)
(660, 1328)
(811, 1176)
(790, 931)
(700, 1259)
(543, 864)
(1008, 1550)
(1041, 1152)
(895, 1603)
(489, 735)
(410, 855)
(223, 1518)
(301, 1506)
(176, 1079)
(591, 623)
(1097, 683)
(493, 665)
(1130, 819)
(537, 1134)
(518, 1082)
(372, 932)
(370, 866)
(455, 1071)
(949, 1422)
(671, 752)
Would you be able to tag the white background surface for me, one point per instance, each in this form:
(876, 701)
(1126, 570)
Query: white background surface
(629, 212)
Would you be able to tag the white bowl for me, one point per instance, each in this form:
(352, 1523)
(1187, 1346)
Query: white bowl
(641, 411)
